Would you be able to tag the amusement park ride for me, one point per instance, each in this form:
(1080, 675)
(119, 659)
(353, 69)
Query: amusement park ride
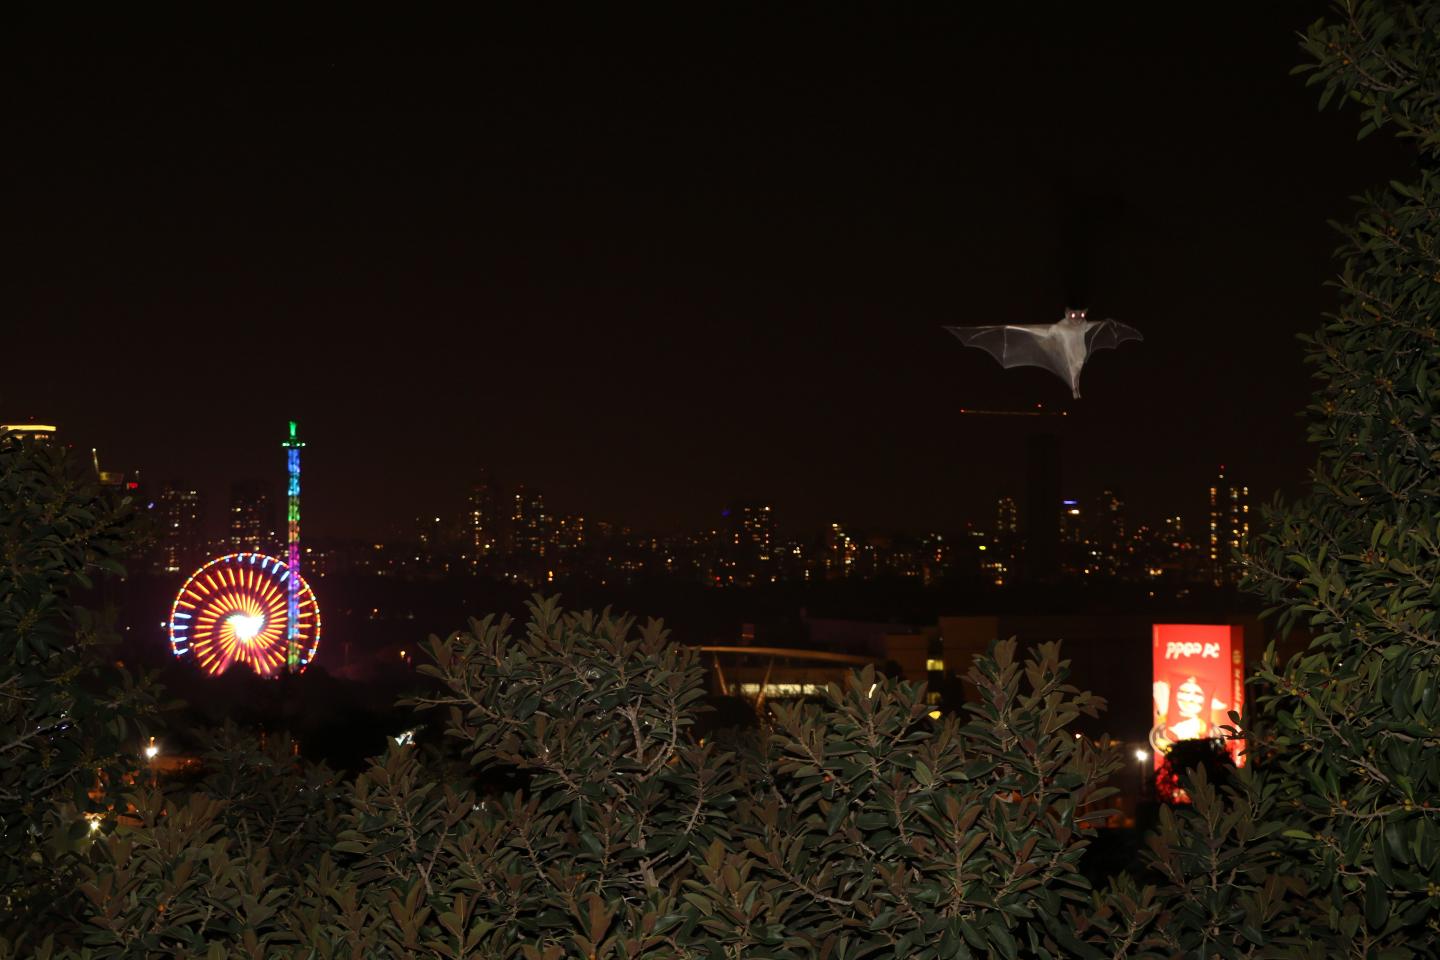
(250, 608)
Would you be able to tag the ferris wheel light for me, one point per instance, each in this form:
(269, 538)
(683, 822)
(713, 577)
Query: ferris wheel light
(232, 612)
(246, 627)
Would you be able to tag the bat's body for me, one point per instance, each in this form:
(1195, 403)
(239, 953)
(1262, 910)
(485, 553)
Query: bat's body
(1062, 348)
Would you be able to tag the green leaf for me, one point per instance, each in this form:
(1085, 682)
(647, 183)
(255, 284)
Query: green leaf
(1377, 903)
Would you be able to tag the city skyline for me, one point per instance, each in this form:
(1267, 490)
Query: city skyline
(249, 513)
(508, 532)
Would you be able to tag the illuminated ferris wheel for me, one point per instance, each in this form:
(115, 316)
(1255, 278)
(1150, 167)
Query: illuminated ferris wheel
(235, 610)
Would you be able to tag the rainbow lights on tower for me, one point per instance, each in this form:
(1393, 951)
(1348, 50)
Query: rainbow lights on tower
(292, 559)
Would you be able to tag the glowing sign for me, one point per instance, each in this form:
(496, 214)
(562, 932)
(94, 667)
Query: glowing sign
(1198, 679)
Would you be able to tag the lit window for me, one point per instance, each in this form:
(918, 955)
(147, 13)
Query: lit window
(935, 666)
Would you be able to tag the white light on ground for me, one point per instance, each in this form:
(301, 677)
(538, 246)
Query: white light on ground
(246, 627)
(152, 751)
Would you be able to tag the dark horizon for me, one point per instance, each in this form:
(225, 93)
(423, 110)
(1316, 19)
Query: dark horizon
(655, 265)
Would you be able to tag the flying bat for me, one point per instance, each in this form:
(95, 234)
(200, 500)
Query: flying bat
(1062, 348)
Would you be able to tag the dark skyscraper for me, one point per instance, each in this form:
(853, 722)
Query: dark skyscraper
(182, 532)
(529, 533)
(1108, 543)
(1007, 519)
(753, 543)
(482, 524)
(252, 518)
(567, 544)
(1042, 507)
(1229, 527)
(1003, 552)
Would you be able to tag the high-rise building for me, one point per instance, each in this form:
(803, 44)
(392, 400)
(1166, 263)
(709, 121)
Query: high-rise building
(840, 553)
(567, 544)
(1007, 518)
(482, 524)
(529, 533)
(1109, 547)
(752, 543)
(252, 518)
(1002, 553)
(1229, 527)
(182, 532)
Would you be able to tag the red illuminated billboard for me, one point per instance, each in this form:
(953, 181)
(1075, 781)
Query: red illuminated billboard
(1198, 679)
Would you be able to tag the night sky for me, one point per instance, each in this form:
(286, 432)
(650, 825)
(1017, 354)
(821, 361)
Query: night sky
(654, 262)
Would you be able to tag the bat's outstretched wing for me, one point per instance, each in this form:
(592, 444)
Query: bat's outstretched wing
(1108, 334)
(1018, 345)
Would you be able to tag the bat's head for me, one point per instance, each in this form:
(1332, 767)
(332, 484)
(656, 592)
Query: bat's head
(1075, 316)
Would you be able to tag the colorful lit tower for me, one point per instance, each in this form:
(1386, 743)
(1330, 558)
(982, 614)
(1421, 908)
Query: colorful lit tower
(292, 559)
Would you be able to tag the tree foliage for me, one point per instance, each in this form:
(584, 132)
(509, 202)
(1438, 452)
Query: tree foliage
(852, 825)
(1356, 720)
(1330, 844)
(68, 715)
(877, 828)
